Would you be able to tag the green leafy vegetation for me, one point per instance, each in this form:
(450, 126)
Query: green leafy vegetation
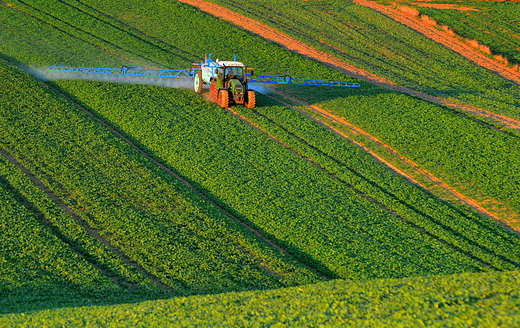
(150, 217)
(475, 300)
(292, 200)
(141, 233)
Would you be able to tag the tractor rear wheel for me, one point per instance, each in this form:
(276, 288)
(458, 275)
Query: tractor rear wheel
(250, 101)
(197, 82)
(213, 91)
(223, 98)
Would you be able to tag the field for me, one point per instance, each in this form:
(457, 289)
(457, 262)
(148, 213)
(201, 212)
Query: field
(118, 193)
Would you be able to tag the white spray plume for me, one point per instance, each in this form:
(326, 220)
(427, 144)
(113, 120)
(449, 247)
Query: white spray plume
(258, 87)
(44, 74)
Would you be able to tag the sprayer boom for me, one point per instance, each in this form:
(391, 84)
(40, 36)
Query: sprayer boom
(228, 81)
(174, 73)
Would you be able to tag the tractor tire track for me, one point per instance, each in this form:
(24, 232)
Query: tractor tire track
(373, 200)
(76, 249)
(63, 31)
(445, 188)
(449, 42)
(256, 232)
(339, 65)
(133, 32)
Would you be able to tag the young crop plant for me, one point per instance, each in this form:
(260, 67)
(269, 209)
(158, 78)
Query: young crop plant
(319, 219)
(149, 219)
(482, 299)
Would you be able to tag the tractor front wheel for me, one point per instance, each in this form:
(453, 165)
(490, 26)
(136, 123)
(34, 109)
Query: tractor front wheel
(223, 98)
(250, 101)
(197, 82)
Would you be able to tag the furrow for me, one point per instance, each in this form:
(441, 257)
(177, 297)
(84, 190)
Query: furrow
(339, 65)
(170, 172)
(117, 279)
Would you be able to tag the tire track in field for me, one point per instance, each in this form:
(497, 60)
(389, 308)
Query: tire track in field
(441, 37)
(63, 31)
(445, 188)
(301, 48)
(76, 249)
(188, 184)
(133, 32)
(73, 27)
(371, 199)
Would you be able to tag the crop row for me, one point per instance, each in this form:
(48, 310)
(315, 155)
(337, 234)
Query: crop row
(492, 23)
(480, 162)
(301, 202)
(476, 300)
(472, 233)
(374, 42)
(39, 269)
(318, 218)
(153, 219)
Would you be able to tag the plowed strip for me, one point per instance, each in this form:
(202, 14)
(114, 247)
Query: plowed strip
(415, 167)
(441, 37)
(119, 280)
(357, 191)
(296, 46)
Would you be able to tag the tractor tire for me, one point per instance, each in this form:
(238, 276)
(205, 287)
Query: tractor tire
(250, 101)
(197, 82)
(223, 98)
(213, 91)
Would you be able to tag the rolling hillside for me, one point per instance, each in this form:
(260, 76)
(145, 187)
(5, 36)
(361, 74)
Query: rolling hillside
(122, 192)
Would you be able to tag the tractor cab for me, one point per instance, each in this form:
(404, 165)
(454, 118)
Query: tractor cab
(228, 70)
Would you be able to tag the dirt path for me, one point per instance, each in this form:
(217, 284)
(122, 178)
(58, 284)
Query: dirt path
(447, 40)
(359, 192)
(301, 48)
(56, 231)
(412, 166)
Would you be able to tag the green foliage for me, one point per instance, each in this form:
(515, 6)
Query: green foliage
(291, 200)
(39, 269)
(472, 233)
(177, 236)
(376, 43)
(465, 300)
(492, 23)
(153, 219)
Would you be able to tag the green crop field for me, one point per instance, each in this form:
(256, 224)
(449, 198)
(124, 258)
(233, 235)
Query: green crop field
(131, 202)
(492, 23)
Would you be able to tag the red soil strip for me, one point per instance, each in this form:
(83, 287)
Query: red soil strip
(301, 48)
(422, 172)
(444, 6)
(448, 40)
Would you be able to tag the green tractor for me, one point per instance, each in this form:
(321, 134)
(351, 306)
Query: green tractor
(227, 81)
